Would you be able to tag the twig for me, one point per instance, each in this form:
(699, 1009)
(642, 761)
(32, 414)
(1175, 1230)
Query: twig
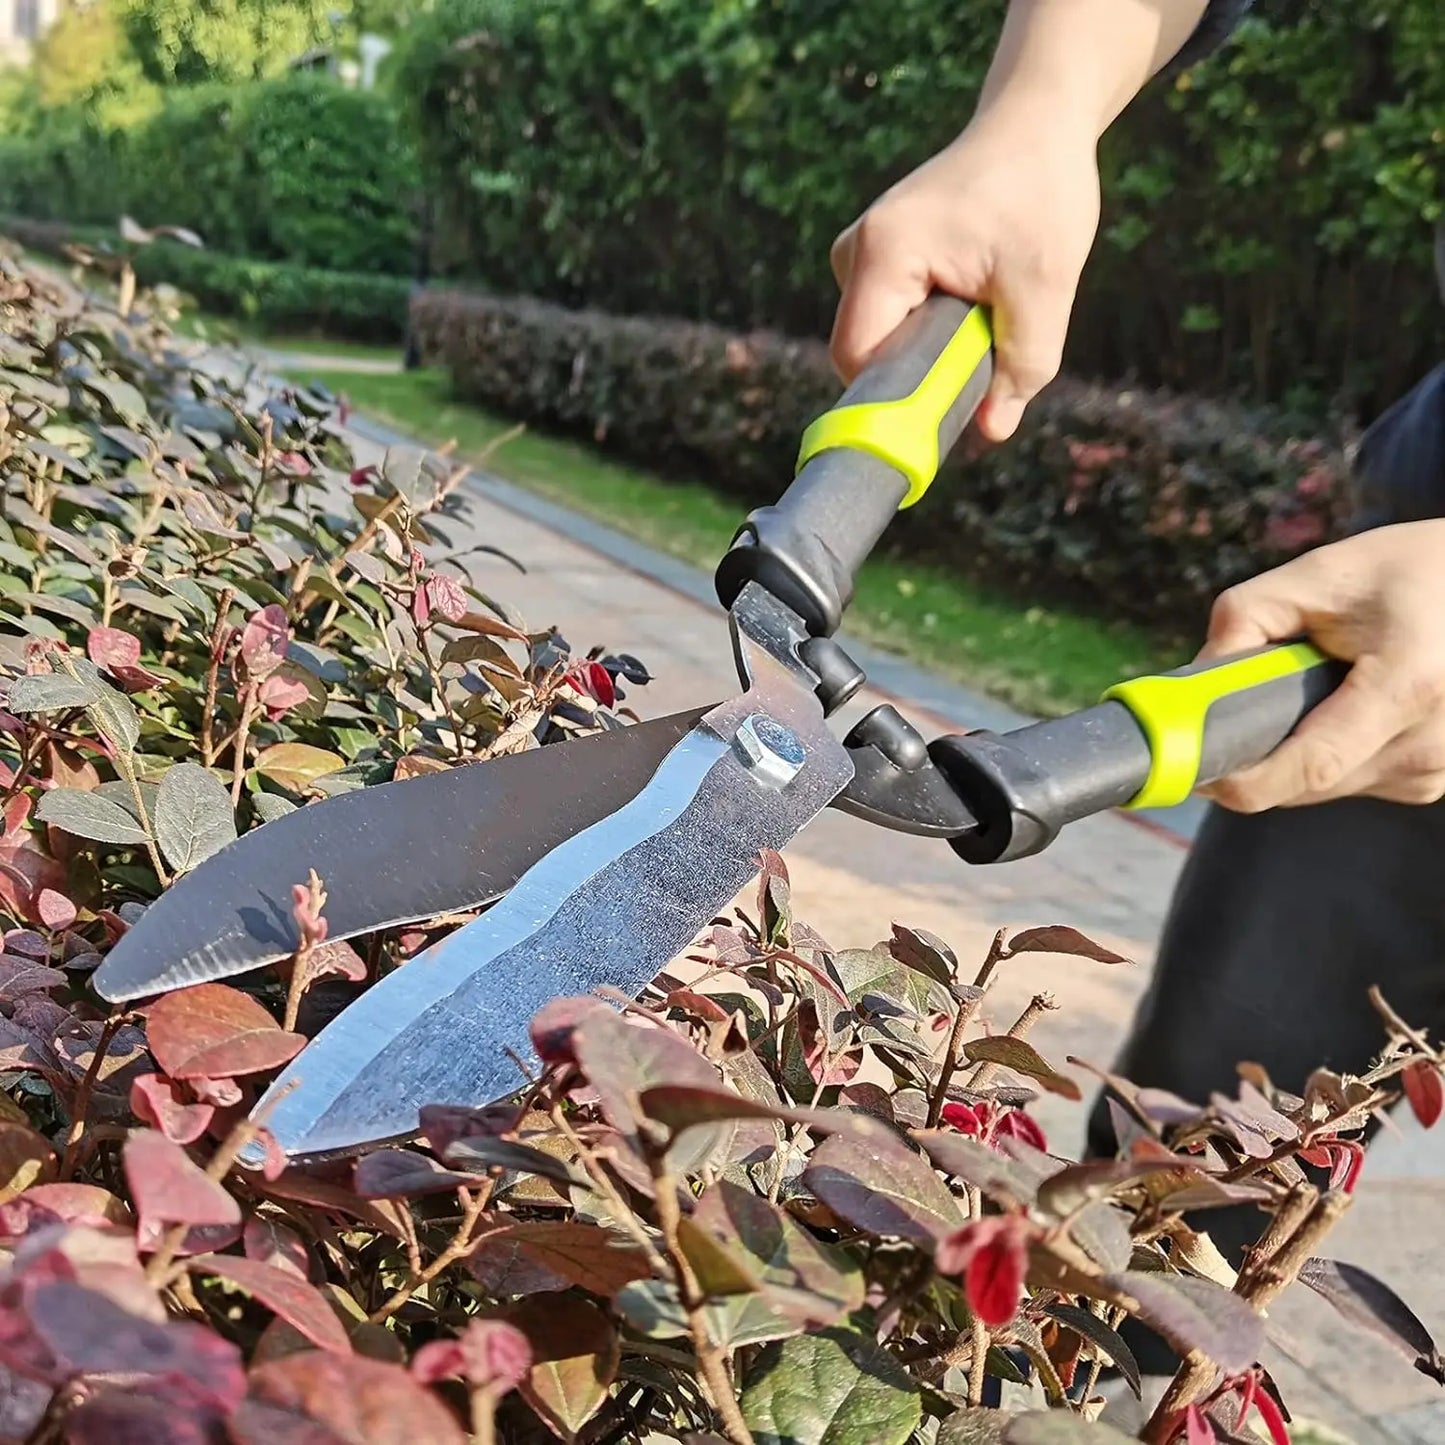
(243, 729)
(213, 675)
(81, 1107)
(953, 1054)
(712, 1359)
(604, 1186)
(978, 1362)
(1260, 1284)
(459, 1246)
(438, 682)
(1041, 1004)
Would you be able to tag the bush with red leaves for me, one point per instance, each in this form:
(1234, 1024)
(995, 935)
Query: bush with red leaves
(792, 1193)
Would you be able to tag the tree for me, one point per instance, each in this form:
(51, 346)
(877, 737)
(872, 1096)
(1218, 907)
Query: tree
(190, 42)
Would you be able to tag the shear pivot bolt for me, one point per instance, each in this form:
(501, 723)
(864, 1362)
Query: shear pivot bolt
(769, 751)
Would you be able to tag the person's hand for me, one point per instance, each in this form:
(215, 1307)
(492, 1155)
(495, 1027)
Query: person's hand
(1377, 601)
(1005, 216)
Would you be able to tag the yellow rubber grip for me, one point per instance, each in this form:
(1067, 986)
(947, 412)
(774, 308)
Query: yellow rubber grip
(904, 432)
(1173, 709)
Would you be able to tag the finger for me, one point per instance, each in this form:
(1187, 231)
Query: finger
(1271, 608)
(884, 282)
(1030, 321)
(1410, 769)
(1344, 736)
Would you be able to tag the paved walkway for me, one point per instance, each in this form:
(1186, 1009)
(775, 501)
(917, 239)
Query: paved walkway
(1108, 876)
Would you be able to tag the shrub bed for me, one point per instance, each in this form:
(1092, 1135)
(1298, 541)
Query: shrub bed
(1142, 504)
(298, 169)
(797, 1197)
(274, 295)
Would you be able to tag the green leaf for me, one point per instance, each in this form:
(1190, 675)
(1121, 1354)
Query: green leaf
(88, 815)
(49, 692)
(976, 1425)
(270, 806)
(111, 713)
(1024, 1059)
(835, 1388)
(297, 765)
(193, 816)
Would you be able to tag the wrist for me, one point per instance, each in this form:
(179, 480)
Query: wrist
(1078, 63)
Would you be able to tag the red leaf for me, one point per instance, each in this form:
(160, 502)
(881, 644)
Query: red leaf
(1423, 1090)
(554, 1027)
(490, 1353)
(268, 1241)
(294, 463)
(992, 1254)
(54, 909)
(264, 640)
(1273, 1417)
(420, 607)
(446, 597)
(155, 1100)
(168, 1189)
(213, 1031)
(279, 694)
(20, 975)
(303, 1307)
(1197, 1429)
(223, 1093)
(1016, 1124)
(24, 940)
(439, 1360)
(442, 1125)
(352, 1397)
(109, 647)
(136, 679)
(336, 958)
(79, 1204)
(92, 1334)
(592, 679)
(968, 1119)
(118, 1418)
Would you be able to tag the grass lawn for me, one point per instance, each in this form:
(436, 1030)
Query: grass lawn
(1037, 659)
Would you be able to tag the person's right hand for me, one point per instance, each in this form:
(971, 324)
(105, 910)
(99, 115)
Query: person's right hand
(1005, 216)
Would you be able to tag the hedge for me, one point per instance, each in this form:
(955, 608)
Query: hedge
(1267, 229)
(273, 295)
(297, 169)
(1142, 504)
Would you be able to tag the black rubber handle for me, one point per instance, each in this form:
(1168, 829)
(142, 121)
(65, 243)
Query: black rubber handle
(1149, 745)
(876, 450)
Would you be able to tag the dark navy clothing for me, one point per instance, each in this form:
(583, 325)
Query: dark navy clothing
(1282, 922)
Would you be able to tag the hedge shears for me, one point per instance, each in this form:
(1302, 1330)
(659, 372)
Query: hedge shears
(604, 857)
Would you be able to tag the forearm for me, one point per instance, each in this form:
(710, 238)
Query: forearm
(1084, 58)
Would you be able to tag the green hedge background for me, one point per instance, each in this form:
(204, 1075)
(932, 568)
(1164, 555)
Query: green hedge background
(298, 168)
(1269, 213)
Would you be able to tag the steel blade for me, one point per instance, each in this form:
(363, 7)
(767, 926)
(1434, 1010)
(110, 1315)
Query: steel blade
(611, 905)
(397, 853)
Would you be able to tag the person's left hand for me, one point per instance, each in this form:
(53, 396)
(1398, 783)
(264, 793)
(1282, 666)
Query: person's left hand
(1377, 601)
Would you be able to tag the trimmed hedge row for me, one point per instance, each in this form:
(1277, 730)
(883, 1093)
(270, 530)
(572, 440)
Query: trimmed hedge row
(274, 295)
(1141, 504)
(298, 169)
